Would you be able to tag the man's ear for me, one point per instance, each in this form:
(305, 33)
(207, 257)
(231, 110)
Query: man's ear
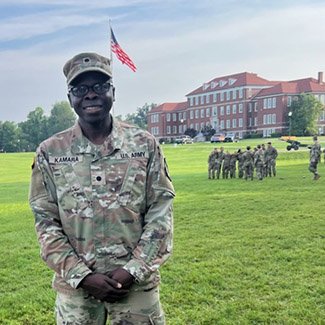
(68, 94)
(113, 94)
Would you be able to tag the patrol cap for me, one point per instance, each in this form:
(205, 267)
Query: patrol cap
(84, 62)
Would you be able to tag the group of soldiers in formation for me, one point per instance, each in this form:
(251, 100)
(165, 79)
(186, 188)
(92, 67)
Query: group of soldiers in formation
(261, 158)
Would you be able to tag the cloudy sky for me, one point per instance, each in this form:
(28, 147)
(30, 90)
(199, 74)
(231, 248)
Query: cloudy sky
(176, 45)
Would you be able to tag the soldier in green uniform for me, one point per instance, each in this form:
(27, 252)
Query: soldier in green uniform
(226, 165)
(212, 163)
(315, 153)
(240, 158)
(259, 162)
(102, 200)
(270, 159)
(232, 165)
(248, 157)
(219, 159)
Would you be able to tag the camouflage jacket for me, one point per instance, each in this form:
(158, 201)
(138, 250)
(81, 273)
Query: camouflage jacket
(259, 157)
(233, 159)
(220, 157)
(315, 152)
(212, 158)
(248, 157)
(270, 153)
(98, 208)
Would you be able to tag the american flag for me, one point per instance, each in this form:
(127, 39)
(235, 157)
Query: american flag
(121, 55)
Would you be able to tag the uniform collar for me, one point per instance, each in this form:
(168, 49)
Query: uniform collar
(81, 145)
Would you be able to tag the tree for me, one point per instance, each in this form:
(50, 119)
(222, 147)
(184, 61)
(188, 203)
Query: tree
(34, 130)
(305, 112)
(191, 132)
(62, 117)
(9, 141)
(140, 117)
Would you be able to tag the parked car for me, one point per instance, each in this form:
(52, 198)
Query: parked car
(217, 138)
(184, 139)
(230, 137)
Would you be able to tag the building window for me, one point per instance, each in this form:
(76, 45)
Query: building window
(215, 111)
(180, 128)
(273, 119)
(222, 110)
(168, 129)
(234, 123)
(180, 115)
(240, 122)
(207, 112)
(255, 121)
(240, 108)
(228, 124)
(228, 109)
(289, 100)
(174, 129)
(155, 130)
(265, 103)
(191, 101)
(215, 97)
(191, 115)
(154, 118)
(255, 106)
(222, 125)
(234, 94)
(197, 100)
(222, 96)
(174, 117)
(322, 116)
(228, 94)
(265, 119)
(250, 121)
(197, 113)
(269, 102)
(250, 107)
(202, 126)
(184, 115)
(197, 126)
(191, 125)
(202, 100)
(274, 102)
(202, 113)
(168, 117)
(269, 119)
(241, 93)
(207, 99)
(322, 99)
(234, 109)
(250, 92)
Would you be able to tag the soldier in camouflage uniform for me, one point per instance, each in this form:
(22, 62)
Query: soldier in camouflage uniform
(315, 153)
(265, 166)
(102, 200)
(219, 160)
(259, 162)
(232, 164)
(248, 157)
(226, 165)
(240, 158)
(212, 163)
(270, 158)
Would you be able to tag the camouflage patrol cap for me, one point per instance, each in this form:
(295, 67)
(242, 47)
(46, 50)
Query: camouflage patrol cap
(84, 62)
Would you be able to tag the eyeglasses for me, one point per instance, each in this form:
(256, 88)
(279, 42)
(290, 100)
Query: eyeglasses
(99, 88)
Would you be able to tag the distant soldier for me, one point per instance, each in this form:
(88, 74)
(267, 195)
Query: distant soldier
(232, 165)
(259, 162)
(248, 157)
(264, 167)
(212, 163)
(219, 160)
(315, 153)
(226, 165)
(270, 159)
(240, 158)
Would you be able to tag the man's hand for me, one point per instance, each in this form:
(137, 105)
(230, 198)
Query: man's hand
(103, 288)
(123, 277)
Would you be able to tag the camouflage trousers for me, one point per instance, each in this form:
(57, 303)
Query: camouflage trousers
(260, 171)
(240, 171)
(140, 307)
(218, 168)
(249, 172)
(313, 167)
(232, 170)
(271, 169)
(225, 171)
(212, 170)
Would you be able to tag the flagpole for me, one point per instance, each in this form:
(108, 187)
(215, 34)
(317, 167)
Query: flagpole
(111, 55)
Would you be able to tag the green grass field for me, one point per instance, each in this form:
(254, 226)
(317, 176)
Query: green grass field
(244, 252)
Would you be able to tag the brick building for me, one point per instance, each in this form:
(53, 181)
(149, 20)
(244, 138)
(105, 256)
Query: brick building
(242, 103)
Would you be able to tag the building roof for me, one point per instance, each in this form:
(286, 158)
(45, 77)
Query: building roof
(231, 81)
(293, 87)
(166, 107)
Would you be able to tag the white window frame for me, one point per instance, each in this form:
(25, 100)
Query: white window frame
(273, 118)
(197, 113)
(207, 112)
(234, 123)
(174, 117)
(202, 112)
(240, 108)
(241, 93)
(174, 129)
(228, 110)
(222, 124)
(228, 94)
(191, 115)
(256, 121)
(228, 124)
(168, 129)
(274, 102)
(207, 99)
(222, 96)
(234, 109)
(265, 103)
(234, 94)
(240, 122)
(215, 111)
(215, 97)
(168, 117)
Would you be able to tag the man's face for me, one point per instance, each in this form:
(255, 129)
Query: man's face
(269, 145)
(91, 107)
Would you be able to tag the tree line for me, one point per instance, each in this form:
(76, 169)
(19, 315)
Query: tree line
(27, 135)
